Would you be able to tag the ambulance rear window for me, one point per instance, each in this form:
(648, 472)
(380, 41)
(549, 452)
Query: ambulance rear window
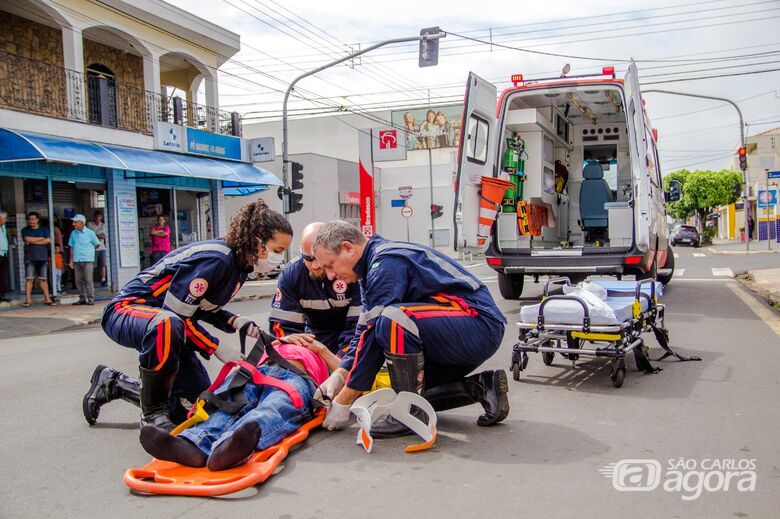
(477, 139)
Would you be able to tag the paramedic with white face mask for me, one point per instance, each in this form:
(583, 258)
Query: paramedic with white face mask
(161, 311)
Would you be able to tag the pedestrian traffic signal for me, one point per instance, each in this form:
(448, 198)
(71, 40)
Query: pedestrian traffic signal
(742, 152)
(297, 176)
(436, 210)
(296, 202)
(736, 189)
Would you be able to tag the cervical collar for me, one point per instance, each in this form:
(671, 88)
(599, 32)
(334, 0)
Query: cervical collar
(385, 402)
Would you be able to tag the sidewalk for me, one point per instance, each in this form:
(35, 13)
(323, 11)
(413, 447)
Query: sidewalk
(736, 247)
(40, 319)
(765, 282)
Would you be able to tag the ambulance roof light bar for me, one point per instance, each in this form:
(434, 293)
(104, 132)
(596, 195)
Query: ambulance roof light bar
(517, 79)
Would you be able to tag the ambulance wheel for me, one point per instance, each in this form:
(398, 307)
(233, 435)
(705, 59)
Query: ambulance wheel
(618, 377)
(510, 285)
(547, 357)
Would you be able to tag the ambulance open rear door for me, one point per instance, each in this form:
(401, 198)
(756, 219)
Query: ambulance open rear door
(635, 115)
(476, 158)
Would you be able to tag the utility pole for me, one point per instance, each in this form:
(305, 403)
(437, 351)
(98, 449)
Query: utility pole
(429, 53)
(745, 202)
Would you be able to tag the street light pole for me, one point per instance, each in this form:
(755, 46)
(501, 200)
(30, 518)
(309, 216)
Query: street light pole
(285, 140)
(745, 203)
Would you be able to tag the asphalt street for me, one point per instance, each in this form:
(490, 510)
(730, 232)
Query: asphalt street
(543, 461)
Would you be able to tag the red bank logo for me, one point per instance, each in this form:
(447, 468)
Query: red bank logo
(388, 139)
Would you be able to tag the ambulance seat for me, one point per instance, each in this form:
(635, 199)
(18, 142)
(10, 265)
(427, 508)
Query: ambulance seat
(594, 193)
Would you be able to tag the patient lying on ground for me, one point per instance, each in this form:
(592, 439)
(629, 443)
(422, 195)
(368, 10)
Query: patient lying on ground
(225, 439)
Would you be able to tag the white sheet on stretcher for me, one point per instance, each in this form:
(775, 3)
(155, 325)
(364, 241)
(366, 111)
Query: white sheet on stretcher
(603, 310)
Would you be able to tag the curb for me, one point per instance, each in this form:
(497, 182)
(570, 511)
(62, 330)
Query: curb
(746, 281)
(739, 252)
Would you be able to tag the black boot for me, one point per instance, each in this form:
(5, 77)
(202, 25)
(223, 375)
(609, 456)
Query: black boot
(236, 449)
(406, 374)
(108, 385)
(160, 444)
(488, 388)
(155, 392)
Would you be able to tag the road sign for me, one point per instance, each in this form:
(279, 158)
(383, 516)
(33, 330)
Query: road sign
(774, 174)
(767, 198)
(397, 202)
(406, 211)
(405, 192)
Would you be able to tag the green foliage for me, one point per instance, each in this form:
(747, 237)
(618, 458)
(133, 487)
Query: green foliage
(702, 191)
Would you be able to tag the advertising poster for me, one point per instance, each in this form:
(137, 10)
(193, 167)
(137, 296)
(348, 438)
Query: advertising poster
(434, 127)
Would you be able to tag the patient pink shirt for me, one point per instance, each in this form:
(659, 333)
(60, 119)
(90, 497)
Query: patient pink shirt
(315, 366)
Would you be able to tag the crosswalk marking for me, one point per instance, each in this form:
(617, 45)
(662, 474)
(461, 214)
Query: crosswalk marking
(678, 273)
(698, 255)
(722, 272)
(676, 255)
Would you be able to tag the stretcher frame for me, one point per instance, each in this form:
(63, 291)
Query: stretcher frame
(619, 339)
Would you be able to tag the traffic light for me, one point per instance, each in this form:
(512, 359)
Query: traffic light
(436, 210)
(429, 48)
(736, 189)
(297, 176)
(742, 152)
(296, 202)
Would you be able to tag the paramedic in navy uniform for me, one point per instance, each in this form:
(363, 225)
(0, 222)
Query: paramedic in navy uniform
(430, 319)
(161, 311)
(307, 302)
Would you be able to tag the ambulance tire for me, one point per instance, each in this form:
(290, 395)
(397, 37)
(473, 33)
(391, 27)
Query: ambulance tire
(510, 285)
(650, 274)
(665, 274)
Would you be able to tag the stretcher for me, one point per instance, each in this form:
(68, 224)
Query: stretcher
(165, 477)
(563, 324)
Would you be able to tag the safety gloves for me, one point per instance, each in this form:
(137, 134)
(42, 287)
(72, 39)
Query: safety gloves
(227, 354)
(337, 417)
(252, 330)
(330, 388)
(338, 414)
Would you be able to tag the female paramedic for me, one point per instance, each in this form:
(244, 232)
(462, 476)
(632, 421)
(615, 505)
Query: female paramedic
(278, 403)
(161, 311)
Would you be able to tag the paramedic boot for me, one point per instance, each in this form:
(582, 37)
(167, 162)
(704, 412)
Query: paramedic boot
(155, 392)
(108, 385)
(406, 374)
(160, 444)
(236, 449)
(488, 388)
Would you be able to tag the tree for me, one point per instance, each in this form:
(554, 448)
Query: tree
(702, 191)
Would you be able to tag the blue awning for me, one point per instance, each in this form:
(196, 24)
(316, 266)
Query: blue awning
(18, 146)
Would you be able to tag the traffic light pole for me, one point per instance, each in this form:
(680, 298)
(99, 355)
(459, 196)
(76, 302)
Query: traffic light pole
(285, 140)
(745, 202)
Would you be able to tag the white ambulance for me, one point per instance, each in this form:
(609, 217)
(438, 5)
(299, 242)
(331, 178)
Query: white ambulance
(587, 197)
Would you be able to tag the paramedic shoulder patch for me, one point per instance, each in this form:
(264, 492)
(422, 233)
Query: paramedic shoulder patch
(198, 287)
(277, 301)
(374, 265)
(339, 286)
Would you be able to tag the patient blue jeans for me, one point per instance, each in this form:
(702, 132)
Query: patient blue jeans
(270, 407)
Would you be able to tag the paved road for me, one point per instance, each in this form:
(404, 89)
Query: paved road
(543, 461)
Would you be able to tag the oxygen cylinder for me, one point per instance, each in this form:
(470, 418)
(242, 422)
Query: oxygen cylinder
(510, 165)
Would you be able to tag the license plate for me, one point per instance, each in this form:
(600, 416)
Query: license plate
(685, 240)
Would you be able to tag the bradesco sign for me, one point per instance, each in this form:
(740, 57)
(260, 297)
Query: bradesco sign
(214, 145)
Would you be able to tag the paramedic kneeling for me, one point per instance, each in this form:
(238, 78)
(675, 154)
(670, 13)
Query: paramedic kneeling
(429, 318)
(307, 302)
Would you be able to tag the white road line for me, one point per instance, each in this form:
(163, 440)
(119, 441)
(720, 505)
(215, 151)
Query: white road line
(697, 280)
(474, 265)
(699, 255)
(491, 279)
(722, 272)
(765, 314)
(678, 273)
(676, 255)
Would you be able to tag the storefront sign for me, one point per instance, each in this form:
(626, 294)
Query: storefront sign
(388, 144)
(349, 198)
(366, 176)
(215, 145)
(169, 137)
(127, 230)
(423, 128)
(262, 149)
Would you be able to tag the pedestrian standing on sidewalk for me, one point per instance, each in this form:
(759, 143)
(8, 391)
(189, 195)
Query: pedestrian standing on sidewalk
(98, 226)
(37, 241)
(161, 240)
(83, 243)
(3, 258)
(57, 281)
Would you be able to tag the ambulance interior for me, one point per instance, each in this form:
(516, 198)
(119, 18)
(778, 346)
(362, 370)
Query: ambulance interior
(567, 150)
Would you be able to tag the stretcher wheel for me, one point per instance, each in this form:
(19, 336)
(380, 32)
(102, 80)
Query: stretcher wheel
(517, 367)
(547, 357)
(618, 377)
(516, 370)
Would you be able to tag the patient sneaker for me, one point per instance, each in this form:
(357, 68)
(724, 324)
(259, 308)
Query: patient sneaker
(163, 446)
(236, 449)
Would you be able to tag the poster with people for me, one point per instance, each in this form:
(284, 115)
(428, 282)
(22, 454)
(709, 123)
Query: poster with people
(427, 128)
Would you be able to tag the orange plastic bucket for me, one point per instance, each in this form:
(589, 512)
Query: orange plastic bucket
(493, 190)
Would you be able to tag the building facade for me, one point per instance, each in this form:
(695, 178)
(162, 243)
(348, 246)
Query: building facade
(113, 106)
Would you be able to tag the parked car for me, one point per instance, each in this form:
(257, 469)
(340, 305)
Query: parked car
(686, 234)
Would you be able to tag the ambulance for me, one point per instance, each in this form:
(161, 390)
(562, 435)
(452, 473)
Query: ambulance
(562, 179)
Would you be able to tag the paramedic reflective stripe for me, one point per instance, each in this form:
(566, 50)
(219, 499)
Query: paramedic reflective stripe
(340, 304)
(315, 304)
(180, 307)
(208, 306)
(370, 314)
(354, 311)
(447, 267)
(157, 270)
(286, 315)
(395, 314)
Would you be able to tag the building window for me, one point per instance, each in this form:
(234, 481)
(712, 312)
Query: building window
(101, 92)
(350, 213)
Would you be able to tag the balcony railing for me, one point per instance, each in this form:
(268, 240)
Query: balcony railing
(33, 86)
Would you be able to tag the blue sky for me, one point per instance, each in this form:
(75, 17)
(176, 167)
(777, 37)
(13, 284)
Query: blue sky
(282, 38)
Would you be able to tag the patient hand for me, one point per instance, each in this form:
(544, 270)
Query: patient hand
(316, 346)
(301, 339)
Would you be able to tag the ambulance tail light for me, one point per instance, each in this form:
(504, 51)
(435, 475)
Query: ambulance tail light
(496, 262)
(633, 260)
(608, 71)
